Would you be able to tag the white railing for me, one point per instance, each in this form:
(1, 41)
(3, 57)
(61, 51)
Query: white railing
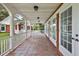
(5, 43)
(18, 38)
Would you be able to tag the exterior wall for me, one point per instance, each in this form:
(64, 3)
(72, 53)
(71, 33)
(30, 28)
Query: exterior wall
(7, 28)
(75, 28)
(61, 48)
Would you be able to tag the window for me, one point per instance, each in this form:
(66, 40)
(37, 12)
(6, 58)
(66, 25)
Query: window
(66, 29)
(54, 28)
(3, 27)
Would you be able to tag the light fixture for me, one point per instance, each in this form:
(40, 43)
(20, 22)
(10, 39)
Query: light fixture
(36, 8)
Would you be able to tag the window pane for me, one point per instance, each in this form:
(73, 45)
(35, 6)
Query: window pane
(62, 21)
(65, 21)
(62, 42)
(53, 21)
(61, 28)
(69, 29)
(65, 44)
(54, 28)
(65, 29)
(70, 47)
(65, 37)
(65, 13)
(3, 27)
(69, 20)
(62, 36)
(70, 38)
(61, 15)
(70, 11)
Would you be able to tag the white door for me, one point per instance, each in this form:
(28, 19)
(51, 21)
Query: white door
(75, 29)
(66, 32)
(70, 30)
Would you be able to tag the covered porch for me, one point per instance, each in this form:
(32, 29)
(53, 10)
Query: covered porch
(50, 29)
(26, 40)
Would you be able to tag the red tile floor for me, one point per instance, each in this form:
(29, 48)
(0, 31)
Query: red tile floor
(37, 45)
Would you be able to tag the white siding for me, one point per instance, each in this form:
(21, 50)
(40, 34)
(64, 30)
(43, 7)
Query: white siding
(75, 28)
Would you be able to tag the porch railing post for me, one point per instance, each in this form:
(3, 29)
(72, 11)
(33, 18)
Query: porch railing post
(11, 32)
(25, 28)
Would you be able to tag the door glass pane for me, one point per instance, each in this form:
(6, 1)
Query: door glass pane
(70, 29)
(65, 44)
(65, 13)
(69, 20)
(65, 37)
(70, 11)
(70, 38)
(70, 47)
(65, 21)
(62, 15)
(62, 42)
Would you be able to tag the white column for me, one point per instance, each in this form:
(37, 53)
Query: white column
(30, 25)
(25, 28)
(11, 31)
(30, 30)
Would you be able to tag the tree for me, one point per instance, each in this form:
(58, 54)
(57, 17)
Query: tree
(38, 26)
(3, 13)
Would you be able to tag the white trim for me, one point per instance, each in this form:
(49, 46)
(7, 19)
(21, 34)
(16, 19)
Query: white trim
(61, 48)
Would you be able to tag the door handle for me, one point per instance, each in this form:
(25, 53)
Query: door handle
(75, 39)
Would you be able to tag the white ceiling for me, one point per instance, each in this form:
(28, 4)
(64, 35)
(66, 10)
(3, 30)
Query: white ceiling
(44, 10)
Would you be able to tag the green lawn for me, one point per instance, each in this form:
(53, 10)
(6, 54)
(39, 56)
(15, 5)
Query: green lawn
(3, 36)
